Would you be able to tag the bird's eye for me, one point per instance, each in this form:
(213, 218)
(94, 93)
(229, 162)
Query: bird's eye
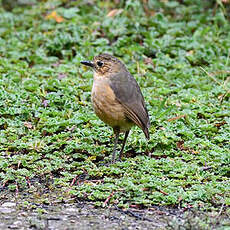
(99, 63)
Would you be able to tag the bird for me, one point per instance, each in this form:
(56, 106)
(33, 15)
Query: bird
(117, 98)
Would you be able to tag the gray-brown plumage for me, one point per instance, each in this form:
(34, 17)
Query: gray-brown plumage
(117, 98)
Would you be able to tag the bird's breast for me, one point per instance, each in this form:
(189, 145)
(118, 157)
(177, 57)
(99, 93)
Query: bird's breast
(106, 107)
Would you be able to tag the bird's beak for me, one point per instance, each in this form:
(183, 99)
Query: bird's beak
(88, 63)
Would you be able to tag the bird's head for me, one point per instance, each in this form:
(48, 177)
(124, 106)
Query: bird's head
(105, 64)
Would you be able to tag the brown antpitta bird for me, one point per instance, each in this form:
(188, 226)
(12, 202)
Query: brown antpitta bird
(117, 98)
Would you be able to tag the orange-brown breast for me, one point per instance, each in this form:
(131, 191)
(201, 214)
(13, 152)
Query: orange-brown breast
(106, 107)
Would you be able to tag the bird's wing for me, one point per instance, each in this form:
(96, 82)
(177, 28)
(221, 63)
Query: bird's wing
(128, 93)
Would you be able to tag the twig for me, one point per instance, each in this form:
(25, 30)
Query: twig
(223, 96)
(220, 72)
(108, 198)
(214, 79)
(16, 192)
(73, 181)
(80, 177)
(165, 193)
(222, 85)
(221, 209)
(176, 118)
(4, 184)
(226, 81)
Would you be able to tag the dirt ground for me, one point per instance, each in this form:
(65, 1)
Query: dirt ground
(83, 216)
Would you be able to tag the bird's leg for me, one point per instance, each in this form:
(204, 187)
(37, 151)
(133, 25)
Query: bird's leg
(117, 132)
(123, 145)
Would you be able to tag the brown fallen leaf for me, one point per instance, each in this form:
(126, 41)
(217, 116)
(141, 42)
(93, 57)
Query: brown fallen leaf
(148, 61)
(180, 145)
(148, 11)
(220, 124)
(114, 12)
(28, 125)
(190, 52)
(53, 15)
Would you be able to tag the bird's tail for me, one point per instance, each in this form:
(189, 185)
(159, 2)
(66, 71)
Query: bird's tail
(146, 132)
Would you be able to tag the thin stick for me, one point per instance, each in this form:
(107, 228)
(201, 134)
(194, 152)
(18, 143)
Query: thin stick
(176, 118)
(108, 198)
(214, 79)
(222, 85)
